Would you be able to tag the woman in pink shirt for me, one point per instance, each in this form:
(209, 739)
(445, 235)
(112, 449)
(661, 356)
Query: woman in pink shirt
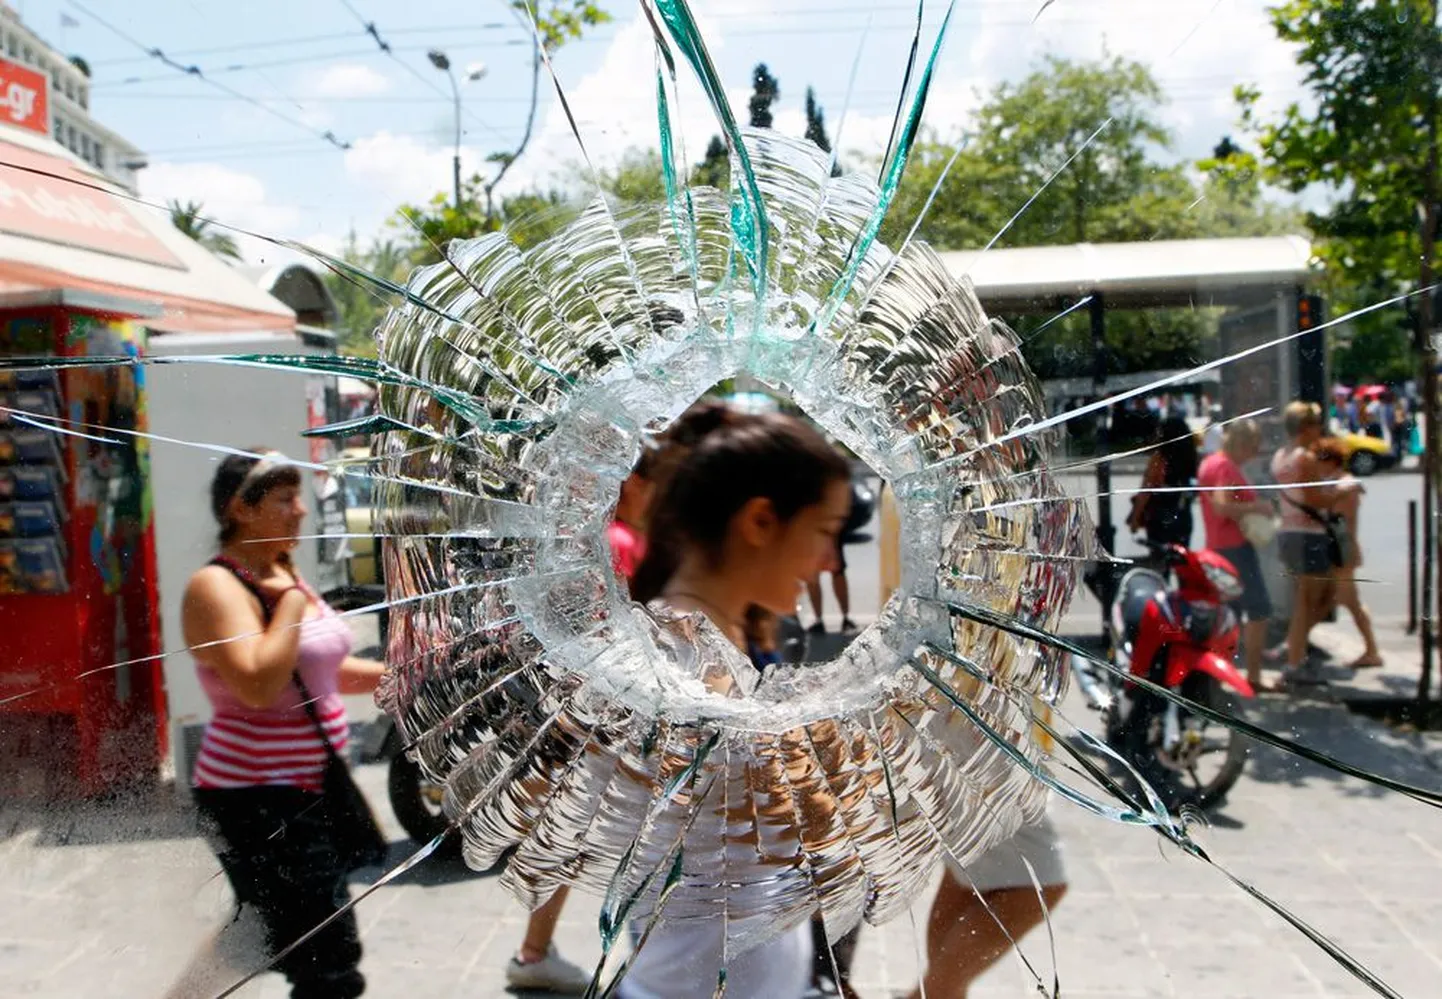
(1227, 497)
(273, 659)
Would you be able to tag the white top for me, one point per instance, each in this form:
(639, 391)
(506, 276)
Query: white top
(1212, 439)
(682, 960)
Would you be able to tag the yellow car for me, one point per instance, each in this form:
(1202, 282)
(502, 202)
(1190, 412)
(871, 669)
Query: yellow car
(1366, 454)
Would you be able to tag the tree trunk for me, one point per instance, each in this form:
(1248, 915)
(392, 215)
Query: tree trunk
(1426, 321)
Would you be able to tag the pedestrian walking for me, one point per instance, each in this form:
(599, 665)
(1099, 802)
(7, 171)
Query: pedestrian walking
(1347, 551)
(744, 518)
(1400, 428)
(840, 589)
(1165, 514)
(983, 909)
(1234, 522)
(274, 796)
(1303, 540)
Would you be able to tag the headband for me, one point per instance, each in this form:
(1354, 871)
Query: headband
(267, 462)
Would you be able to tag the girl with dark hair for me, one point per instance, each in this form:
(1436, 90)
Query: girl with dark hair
(274, 659)
(749, 511)
(1166, 516)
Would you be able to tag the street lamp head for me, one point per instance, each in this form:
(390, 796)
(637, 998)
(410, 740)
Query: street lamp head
(439, 60)
(475, 71)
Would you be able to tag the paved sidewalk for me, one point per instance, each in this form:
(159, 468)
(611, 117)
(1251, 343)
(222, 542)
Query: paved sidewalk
(1401, 656)
(111, 900)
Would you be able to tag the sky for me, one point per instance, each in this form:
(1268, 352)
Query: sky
(306, 67)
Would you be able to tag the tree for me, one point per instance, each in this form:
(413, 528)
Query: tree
(637, 178)
(1024, 133)
(816, 122)
(1369, 136)
(1110, 189)
(765, 91)
(188, 218)
(555, 23)
(715, 169)
(361, 305)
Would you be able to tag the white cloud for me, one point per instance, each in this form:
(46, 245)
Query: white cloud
(615, 111)
(226, 195)
(1198, 50)
(402, 168)
(348, 80)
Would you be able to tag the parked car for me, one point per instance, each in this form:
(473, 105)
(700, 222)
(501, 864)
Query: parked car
(1367, 454)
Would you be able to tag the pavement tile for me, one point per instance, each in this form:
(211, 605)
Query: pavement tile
(1396, 882)
(1409, 971)
(1204, 967)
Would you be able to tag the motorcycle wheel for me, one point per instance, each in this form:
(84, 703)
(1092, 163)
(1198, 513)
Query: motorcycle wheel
(1201, 787)
(1208, 787)
(417, 803)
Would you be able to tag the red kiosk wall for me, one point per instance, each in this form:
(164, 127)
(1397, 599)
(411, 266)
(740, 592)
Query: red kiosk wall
(82, 700)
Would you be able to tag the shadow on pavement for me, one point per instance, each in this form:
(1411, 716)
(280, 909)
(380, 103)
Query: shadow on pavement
(1330, 728)
(131, 815)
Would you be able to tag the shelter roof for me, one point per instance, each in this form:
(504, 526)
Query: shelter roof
(1158, 273)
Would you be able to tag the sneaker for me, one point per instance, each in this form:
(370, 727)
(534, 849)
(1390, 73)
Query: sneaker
(553, 973)
(817, 629)
(848, 625)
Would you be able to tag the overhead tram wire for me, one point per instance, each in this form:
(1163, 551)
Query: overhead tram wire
(325, 135)
(278, 43)
(385, 46)
(596, 38)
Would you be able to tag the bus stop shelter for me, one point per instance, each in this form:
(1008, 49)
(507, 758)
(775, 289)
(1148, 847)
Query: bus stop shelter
(1262, 282)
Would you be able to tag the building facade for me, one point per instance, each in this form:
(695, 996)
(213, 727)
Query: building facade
(42, 90)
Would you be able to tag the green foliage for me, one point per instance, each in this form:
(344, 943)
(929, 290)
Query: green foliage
(765, 91)
(1024, 133)
(637, 178)
(1367, 136)
(1113, 190)
(362, 306)
(189, 218)
(816, 122)
(561, 21)
(715, 169)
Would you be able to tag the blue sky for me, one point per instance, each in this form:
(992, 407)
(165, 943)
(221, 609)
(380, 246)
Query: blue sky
(312, 65)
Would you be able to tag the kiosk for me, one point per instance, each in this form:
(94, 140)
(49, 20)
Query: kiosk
(98, 527)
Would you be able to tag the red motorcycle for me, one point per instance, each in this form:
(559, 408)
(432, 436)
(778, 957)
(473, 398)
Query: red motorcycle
(1183, 638)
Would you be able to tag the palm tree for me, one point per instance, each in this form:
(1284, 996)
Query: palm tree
(189, 220)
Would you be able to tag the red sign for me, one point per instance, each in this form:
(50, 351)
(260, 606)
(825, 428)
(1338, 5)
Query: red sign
(49, 198)
(24, 98)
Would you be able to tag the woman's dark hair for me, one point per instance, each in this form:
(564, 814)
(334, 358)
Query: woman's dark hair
(722, 459)
(230, 477)
(1179, 451)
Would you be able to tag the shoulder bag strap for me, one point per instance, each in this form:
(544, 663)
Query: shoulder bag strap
(1310, 511)
(248, 580)
(308, 703)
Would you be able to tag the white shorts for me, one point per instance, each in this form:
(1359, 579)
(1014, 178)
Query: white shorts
(1002, 867)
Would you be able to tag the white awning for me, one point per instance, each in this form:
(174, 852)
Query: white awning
(66, 228)
(1136, 275)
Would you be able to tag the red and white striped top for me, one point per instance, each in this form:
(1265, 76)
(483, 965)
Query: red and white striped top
(278, 744)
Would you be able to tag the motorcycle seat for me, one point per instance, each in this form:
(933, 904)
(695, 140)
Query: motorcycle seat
(1136, 589)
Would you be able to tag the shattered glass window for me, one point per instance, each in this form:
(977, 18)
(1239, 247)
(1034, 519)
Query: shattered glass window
(1112, 397)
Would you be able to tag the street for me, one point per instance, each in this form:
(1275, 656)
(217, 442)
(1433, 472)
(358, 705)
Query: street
(111, 899)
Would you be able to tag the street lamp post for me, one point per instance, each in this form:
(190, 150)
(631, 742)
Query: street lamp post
(442, 62)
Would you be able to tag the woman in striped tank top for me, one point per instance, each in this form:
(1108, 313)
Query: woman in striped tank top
(254, 626)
